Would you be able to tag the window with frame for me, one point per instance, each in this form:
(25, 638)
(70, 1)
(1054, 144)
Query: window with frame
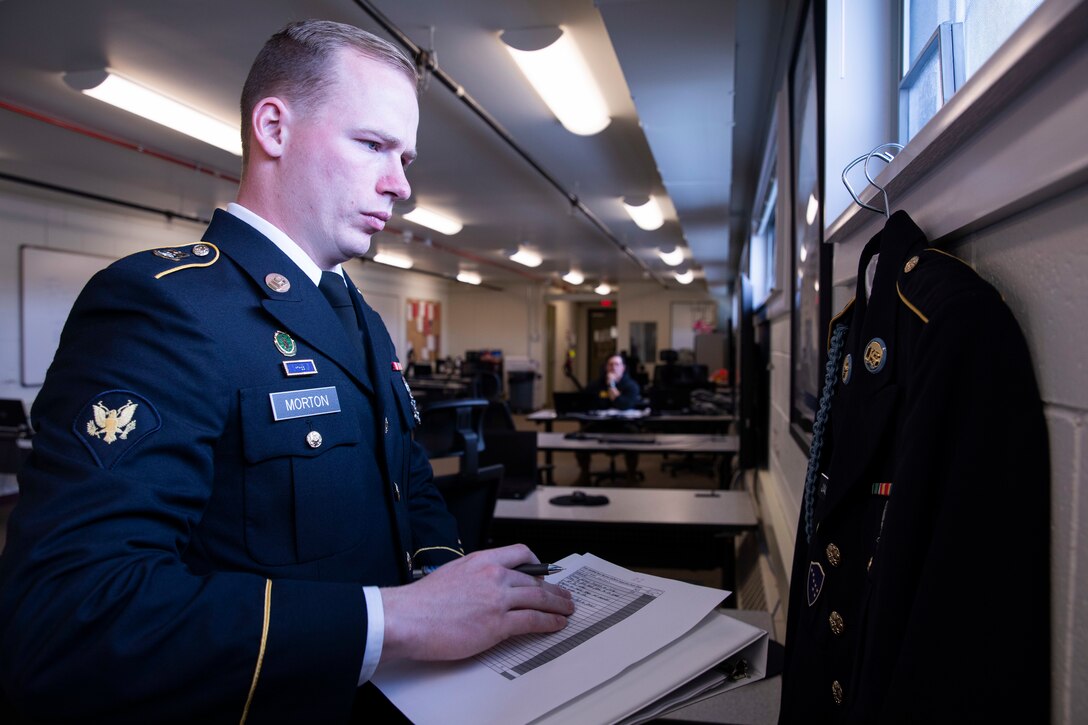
(761, 267)
(944, 42)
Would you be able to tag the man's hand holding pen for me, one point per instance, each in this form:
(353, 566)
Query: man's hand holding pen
(471, 604)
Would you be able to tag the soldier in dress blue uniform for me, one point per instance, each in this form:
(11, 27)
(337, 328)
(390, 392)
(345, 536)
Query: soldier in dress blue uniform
(224, 506)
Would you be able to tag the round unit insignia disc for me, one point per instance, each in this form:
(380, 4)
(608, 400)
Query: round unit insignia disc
(277, 282)
(847, 368)
(285, 344)
(201, 250)
(876, 354)
(911, 263)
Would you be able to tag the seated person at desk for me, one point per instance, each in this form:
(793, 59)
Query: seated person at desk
(613, 389)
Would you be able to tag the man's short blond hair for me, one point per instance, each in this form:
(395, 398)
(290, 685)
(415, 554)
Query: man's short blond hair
(294, 65)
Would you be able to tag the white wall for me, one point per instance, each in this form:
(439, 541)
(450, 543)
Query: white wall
(650, 302)
(64, 223)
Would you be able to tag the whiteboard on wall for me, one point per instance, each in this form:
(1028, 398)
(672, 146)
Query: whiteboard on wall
(50, 280)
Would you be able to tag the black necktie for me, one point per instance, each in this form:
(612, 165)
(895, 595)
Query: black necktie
(336, 292)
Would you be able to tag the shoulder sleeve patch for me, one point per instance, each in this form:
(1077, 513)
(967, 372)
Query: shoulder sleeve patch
(113, 422)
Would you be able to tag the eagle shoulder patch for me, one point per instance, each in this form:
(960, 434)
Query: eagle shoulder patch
(113, 422)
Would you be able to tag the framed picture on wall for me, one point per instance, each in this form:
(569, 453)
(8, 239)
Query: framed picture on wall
(811, 268)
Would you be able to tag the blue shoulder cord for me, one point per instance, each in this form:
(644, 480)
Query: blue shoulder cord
(833, 353)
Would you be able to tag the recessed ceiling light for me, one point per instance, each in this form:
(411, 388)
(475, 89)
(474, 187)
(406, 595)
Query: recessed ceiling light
(646, 214)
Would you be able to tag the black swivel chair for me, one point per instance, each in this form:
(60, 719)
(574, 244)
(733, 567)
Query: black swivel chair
(455, 428)
(486, 385)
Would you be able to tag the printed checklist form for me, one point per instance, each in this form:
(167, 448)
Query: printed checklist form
(599, 668)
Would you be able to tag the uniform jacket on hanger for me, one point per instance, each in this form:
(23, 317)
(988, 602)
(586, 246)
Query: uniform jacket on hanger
(920, 579)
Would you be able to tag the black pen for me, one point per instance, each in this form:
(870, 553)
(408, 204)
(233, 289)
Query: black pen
(538, 569)
(530, 569)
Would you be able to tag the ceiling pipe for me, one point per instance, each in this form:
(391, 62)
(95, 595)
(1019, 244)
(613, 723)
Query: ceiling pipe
(425, 59)
(170, 215)
(99, 136)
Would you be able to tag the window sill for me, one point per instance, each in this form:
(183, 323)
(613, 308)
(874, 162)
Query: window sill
(989, 128)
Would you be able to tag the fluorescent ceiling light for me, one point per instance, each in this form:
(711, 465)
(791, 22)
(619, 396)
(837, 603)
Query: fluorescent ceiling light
(434, 220)
(527, 257)
(469, 277)
(602, 289)
(813, 207)
(684, 277)
(393, 260)
(107, 86)
(560, 75)
(646, 214)
(673, 258)
(574, 277)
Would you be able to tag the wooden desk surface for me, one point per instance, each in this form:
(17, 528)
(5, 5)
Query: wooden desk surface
(640, 442)
(657, 506)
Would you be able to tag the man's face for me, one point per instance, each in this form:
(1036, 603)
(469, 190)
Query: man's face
(614, 367)
(344, 159)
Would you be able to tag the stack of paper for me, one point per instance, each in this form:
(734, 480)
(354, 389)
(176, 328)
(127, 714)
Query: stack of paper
(633, 639)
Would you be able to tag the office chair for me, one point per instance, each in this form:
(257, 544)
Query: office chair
(516, 452)
(486, 385)
(454, 428)
(497, 417)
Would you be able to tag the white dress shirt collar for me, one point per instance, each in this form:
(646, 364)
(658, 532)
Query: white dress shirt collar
(285, 244)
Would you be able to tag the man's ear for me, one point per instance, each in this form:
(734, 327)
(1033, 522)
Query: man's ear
(268, 123)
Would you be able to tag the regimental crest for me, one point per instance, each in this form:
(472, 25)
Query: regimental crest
(109, 425)
(285, 344)
(113, 422)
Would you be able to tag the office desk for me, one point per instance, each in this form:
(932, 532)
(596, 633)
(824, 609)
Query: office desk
(661, 421)
(645, 527)
(722, 446)
(657, 422)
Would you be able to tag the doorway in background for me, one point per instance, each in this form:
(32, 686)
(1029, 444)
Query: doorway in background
(602, 340)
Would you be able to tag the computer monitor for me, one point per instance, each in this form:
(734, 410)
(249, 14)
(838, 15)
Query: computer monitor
(13, 416)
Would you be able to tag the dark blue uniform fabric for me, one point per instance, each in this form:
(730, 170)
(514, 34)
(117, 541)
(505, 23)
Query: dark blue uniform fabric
(923, 594)
(629, 396)
(177, 552)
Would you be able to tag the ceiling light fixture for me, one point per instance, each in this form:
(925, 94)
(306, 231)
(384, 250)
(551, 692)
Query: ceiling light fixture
(684, 277)
(559, 73)
(527, 257)
(811, 209)
(434, 220)
(393, 260)
(673, 258)
(646, 214)
(469, 277)
(116, 90)
(602, 289)
(574, 277)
